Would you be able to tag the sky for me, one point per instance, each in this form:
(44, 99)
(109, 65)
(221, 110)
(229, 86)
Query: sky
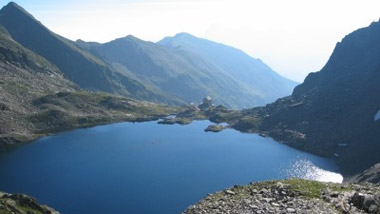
(293, 37)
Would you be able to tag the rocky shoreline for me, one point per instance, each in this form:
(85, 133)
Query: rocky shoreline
(10, 141)
(71, 110)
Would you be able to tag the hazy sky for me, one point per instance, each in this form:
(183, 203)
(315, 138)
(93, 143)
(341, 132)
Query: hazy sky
(294, 37)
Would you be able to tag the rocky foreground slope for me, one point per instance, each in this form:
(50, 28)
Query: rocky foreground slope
(284, 196)
(291, 196)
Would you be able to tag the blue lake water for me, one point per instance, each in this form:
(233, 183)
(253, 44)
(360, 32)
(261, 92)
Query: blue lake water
(146, 168)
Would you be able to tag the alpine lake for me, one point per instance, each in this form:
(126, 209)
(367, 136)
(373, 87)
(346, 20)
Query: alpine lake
(146, 168)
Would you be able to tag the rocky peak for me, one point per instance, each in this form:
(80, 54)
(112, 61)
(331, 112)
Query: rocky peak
(14, 9)
(184, 35)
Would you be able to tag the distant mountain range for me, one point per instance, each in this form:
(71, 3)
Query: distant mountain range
(84, 69)
(182, 75)
(188, 74)
(174, 71)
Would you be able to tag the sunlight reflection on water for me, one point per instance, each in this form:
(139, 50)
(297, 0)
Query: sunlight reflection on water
(377, 116)
(305, 169)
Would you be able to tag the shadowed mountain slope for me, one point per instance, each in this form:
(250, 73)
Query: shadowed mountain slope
(333, 113)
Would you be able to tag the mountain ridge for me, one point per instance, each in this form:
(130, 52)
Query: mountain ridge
(177, 72)
(81, 67)
(139, 69)
(250, 71)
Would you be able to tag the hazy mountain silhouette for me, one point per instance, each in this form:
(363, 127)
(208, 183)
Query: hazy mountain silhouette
(180, 73)
(251, 72)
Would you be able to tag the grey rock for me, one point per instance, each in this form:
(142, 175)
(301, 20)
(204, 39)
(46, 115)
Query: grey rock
(230, 192)
(368, 201)
(334, 194)
(254, 191)
(254, 207)
(358, 199)
(374, 209)
(263, 191)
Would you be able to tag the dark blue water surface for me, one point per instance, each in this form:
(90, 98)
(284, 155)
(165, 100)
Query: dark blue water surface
(146, 168)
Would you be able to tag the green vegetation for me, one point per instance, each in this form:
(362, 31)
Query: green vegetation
(67, 110)
(295, 187)
(307, 188)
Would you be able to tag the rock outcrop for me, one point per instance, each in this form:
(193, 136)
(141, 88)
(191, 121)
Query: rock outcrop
(214, 128)
(22, 204)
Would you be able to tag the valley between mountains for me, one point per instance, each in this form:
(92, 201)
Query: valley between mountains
(49, 84)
